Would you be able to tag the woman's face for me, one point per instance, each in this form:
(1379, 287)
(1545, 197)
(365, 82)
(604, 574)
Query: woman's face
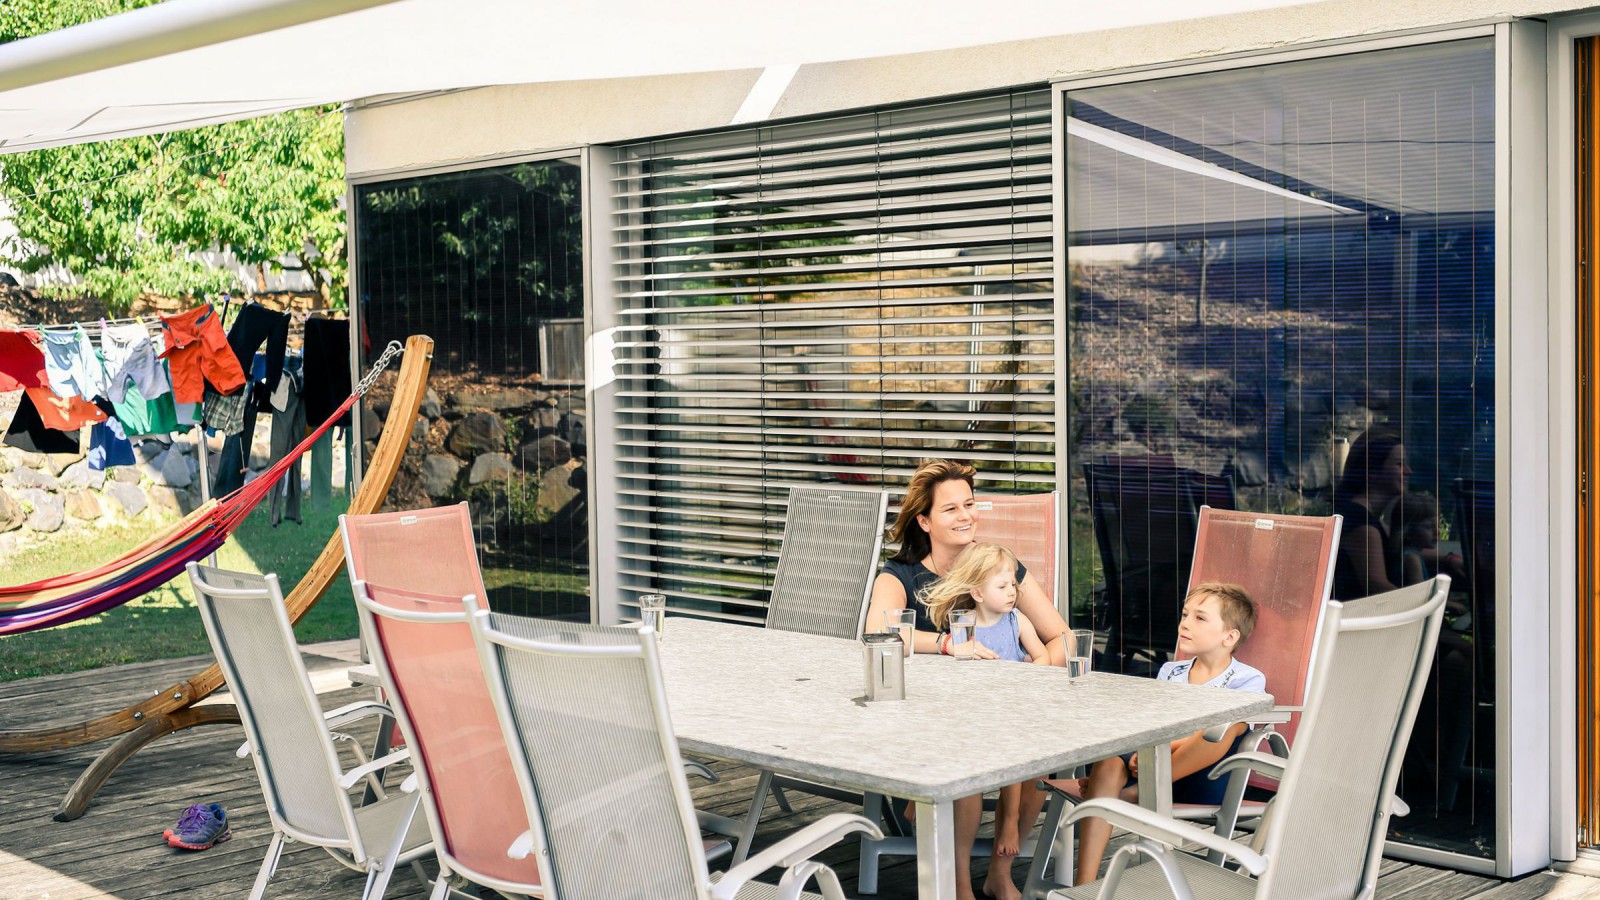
(952, 520)
(1390, 478)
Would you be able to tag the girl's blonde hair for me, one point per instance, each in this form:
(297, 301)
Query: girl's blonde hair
(968, 573)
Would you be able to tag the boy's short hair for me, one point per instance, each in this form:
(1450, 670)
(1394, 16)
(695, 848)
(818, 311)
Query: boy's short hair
(1238, 610)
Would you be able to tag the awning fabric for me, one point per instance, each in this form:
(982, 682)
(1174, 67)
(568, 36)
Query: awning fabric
(185, 63)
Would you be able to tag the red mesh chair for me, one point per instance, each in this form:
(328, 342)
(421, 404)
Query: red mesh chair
(1285, 564)
(1025, 524)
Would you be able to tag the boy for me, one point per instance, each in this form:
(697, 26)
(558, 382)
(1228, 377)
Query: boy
(1216, 620)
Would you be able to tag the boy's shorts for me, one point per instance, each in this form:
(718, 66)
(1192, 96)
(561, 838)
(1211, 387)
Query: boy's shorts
(1197, 788)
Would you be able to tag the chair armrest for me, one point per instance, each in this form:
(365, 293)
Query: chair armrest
(793, 850)
(383, 762)
(1278, 715)
(344, 715)
(690, 767)
(522, 847)
(1148, 823)
(1256, 761)
(409, 786)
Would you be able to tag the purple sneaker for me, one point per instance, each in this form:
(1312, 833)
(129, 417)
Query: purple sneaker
(200, 827)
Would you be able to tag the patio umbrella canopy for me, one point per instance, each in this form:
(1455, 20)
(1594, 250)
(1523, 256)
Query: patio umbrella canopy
(185, 63)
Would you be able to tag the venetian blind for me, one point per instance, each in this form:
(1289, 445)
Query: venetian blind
(825, 301)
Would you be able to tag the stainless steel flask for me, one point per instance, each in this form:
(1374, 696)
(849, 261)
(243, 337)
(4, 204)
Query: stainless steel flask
(885, 666)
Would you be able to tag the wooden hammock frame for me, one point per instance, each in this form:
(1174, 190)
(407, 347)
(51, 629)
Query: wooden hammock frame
(174, 709)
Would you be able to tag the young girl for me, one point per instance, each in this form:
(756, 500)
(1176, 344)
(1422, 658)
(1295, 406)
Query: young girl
(984, 579)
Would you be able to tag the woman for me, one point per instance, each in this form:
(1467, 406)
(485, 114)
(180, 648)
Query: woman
(938, 519)
(1374, 478)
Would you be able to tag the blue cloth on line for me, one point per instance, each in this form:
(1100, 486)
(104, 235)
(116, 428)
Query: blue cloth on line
(108, 446)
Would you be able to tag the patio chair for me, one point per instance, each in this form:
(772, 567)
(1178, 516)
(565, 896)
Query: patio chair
(1285, 563)
(832, 538)
(290, 740)
(1323, 834)
(1146, 517)
(424, 652)
(617, 823)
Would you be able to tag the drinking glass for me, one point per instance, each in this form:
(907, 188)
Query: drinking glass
(653, 612)
(962, 639)
(1080, 653)
(903, 622)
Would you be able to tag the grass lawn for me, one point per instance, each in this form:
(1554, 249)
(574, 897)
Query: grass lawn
(164, 624)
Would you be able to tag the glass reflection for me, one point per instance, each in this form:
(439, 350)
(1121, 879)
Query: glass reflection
(1281, 299)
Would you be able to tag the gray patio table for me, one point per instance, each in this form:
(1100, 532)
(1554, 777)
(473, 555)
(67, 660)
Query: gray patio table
(793, 703)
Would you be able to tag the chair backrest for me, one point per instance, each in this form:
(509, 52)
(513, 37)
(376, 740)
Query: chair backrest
(423, 647)
(1285, 564)
(831, 541)
(430, 550)
(1146, 516)
(1025, 524)
(1325, 831)
(585, 715)
(249, 629)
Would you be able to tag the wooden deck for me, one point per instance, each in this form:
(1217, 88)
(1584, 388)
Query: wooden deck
(116, 851)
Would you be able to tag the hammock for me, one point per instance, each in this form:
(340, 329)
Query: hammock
(78, 595)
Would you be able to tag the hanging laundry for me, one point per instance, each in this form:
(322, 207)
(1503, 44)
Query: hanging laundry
(254, 325)
(71, 365)
(140, 417)
(225, 413)
(288, 429)
(108, 446)
(21, 361)
(28, 431)
(130, 356)
(327, 368)
(64, 413)
(197, 352)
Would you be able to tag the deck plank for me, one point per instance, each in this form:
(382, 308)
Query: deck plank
(115, 852)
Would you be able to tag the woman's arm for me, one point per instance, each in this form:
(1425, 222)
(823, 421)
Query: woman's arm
(1412, 569)
(1365, 552)
(1046, 620)
(1029, 636)
(888, 593)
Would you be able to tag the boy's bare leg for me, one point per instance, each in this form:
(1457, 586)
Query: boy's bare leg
(998, 884)
(1030, 804)
(1106, 779)
(968, 814)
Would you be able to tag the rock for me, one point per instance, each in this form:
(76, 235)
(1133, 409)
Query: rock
(431, 407)
(439, 474)
(419, 432)
(546, 453)
(80, 475)
(509, 398)
(571, 403)
(542, 421)
(174, 471)
(479, 432)
(126, 474)
(31, 460)
(5, 463)
(56, 463)
(371, 425)
(83, 505)
(167, 500)
(49, 512)
(11, 514)
(490, 467)
(381, 408)
(149, 451)
(558, 487)
(128, 497)
(33, 478)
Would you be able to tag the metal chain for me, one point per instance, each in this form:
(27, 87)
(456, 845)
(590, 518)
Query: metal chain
(389, 353)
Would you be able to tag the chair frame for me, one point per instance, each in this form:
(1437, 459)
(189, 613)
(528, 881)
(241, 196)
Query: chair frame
(792, 853)
(378, 868)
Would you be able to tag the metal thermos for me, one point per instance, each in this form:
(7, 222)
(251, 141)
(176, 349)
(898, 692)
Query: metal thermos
(886, 666)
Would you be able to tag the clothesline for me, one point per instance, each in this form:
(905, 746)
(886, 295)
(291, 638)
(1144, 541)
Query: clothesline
(152, 321)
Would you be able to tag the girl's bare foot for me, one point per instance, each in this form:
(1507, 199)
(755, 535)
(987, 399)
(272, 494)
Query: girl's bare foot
(1006, 842)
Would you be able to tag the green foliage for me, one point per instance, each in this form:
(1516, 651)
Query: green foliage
(133, 216)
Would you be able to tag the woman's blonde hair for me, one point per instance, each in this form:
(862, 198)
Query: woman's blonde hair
(914, 542)
(968, 573)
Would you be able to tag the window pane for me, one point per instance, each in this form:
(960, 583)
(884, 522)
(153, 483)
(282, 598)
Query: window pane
(1281, 299)
(488, 262)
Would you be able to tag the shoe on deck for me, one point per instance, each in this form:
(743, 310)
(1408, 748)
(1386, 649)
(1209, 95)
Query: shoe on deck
(200, 827)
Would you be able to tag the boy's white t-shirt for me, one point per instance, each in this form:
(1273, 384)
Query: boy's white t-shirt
(1237, 676)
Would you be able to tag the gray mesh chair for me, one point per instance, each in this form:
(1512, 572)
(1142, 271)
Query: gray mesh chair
(584, 713)
(1322, 835)
(832, 538)
(291, 740)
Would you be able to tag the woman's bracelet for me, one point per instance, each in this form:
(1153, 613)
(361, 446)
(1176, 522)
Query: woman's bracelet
(944, 643)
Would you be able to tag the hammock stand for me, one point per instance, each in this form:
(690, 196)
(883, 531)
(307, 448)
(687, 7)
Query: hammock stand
(174, 709)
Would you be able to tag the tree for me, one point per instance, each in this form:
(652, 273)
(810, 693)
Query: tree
(135, 216)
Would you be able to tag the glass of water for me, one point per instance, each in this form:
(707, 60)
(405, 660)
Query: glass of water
(1080, 654)
(904, 623)
(653, 612)
(962, 640)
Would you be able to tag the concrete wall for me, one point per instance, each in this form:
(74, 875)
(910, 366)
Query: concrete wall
(461, 126)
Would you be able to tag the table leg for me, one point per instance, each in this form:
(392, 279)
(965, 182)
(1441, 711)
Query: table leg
(1155, 778)
(936, 851)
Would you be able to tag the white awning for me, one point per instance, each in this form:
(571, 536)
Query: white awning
(185, 63)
